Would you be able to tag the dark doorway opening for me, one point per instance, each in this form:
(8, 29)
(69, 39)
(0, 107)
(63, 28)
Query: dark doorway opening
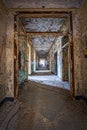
(55, 63)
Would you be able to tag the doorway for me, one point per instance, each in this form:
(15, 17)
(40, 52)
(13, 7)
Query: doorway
(65, 64)
(55, 63)
(65, 59)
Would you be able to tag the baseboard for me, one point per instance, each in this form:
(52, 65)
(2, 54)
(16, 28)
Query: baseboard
(7, 99)
(81, 98)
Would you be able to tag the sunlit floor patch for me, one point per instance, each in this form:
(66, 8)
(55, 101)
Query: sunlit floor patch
(51, 80)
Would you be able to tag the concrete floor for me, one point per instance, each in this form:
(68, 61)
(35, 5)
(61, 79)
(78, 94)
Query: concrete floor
(46, 108)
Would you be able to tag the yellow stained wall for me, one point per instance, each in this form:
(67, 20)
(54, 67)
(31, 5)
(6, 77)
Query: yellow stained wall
(80, 41)
(6, 53)
(2, 51)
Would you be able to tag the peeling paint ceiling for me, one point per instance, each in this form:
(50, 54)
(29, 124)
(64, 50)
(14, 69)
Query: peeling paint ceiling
(42, 3)
(43, 24)
(42, 44)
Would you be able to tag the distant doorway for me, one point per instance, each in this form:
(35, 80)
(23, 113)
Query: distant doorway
(55, 63)
(65, 64)
(65, 59)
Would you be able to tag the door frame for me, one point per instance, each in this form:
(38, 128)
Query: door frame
(55, 13)
(15, 59)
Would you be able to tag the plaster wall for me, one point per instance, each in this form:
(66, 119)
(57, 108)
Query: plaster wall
(37, 62)
(2, 51)
(22, 58)
(33, 59)
(10, 56)
(6, 53)
(43, 4)
(29, 59)
(80, 46)
(56, 47)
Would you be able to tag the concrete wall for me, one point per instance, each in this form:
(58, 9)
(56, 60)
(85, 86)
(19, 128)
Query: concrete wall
(33, 59)
(2, 51)
(32, 56)
(22, 59)
(6, 53)
(37, 62)
(29, 59)
(56, 48)
(10, 56)
(59, 57)
(80, 41)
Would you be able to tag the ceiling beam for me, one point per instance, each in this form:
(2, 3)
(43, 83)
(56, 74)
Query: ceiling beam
(37, 13)
(42, 9)
(42, 33)
(41, 15)
(47, 33)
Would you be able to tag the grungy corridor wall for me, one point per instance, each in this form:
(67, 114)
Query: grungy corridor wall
(22, 59)
(6, 53)
(80, 46)
(10, 56)
(33, 59)
(2, 51)
(56, 48)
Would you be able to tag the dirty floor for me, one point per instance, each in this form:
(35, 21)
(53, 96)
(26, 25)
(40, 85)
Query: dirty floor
(47, 108)
(42, 107)
(51, 80)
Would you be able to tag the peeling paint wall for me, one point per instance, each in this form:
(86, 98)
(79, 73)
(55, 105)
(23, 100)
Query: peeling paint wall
(29, 55)
(32, 56)
(9, 56)
(37, 62)
(51, 57)
(59, 62)
(65, 70)
(65, 58)
(51, 61)
(22, 61)
(2, 51)
(62, 59)
(33, 59)
(6, 53)
(80, 45)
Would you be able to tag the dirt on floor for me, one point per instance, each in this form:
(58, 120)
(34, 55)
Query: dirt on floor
(48, 108)
(41, 73)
